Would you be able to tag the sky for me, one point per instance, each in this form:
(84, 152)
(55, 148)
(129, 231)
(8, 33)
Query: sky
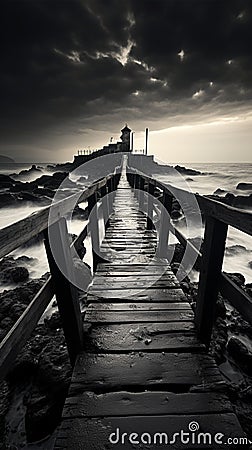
(74, 72)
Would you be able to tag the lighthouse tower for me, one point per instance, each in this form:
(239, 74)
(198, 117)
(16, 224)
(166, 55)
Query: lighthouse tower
(125, 137)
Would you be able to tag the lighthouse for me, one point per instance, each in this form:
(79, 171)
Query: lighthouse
(125, 137)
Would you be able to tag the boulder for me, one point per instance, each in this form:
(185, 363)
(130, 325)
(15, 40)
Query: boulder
(235, 250)
(219, 191)
(4, 405)
(80, 213)
(237, 278)
(30, 197)
(44, 192)
(12, 271)
(33, 170)
(248, 289)
(244, 186)
(21, 187)
(240, 353)
(7, 199)
(184, 171)
(176, 214)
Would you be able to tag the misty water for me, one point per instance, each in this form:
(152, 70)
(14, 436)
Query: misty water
(224, 176)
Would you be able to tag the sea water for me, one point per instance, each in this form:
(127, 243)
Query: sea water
(214, 175)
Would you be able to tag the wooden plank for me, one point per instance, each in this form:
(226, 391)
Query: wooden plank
(144, 273)
(117, 281)
(137, 316)
(153, 266)
(148, 337)
(89, 404)
(131, 286)
(131, 234)
(123, 246)
(16, 338)
(93, 434)
(137, 306)
(176, 372)
(129, 295)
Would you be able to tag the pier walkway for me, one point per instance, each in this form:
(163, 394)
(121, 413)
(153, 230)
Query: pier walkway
(141, 366)
(143, 369)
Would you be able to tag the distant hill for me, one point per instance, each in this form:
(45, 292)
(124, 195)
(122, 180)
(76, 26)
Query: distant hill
(6, 159)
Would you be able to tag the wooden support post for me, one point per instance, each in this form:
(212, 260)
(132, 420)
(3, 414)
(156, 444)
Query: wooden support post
(164, 225)
(93, 226)
(133, 180)
(210, 275)
(105, 205)
(111, 196)
(151, 189)
(66, 292)
(137, 185)
(141, 194)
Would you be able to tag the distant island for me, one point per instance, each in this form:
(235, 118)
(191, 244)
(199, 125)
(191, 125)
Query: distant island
(6, 159)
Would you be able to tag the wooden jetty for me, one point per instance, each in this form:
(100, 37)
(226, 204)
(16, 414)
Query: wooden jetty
(141, 368)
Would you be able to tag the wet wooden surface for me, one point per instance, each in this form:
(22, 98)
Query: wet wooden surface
(143, 368)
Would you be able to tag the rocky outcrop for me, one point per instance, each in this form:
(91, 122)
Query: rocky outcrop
(15, 270)
(244, 186)
(220, 191)
(5, 181)
(43, 364)
(185, 171)
(34, 170)
(240, 353)
(236, 249)
(238, 201)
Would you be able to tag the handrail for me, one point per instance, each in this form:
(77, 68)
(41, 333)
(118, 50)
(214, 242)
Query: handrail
(20, 232)
(235, 217)
(12, 236)
(218, 217)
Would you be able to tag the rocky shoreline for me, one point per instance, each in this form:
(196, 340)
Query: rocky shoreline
(41, 373)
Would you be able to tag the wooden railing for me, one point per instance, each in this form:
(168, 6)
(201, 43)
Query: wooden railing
(17, 234)
(217, 217)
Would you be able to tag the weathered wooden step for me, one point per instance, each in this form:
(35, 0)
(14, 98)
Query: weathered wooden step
(140, 295)
(137, 306)
(139, 371)
(110, 317)
(177, 336)
(89, 404)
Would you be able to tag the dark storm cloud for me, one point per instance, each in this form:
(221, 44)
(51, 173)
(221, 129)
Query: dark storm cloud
(67, 64)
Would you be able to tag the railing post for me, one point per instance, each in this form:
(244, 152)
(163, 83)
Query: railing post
(133, 185)
(211, 265)
(111, 196)
(137, 185)
(105, 205)
(141, 193)
(164, 225)
(93, 226)
(66, 292)
(151, 189)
